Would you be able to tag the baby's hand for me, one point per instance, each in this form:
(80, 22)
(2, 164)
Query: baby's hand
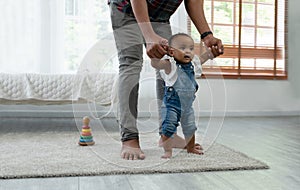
(165, 61)
(166, 65)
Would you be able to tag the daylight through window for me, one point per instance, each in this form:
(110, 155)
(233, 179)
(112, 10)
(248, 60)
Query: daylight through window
(253, 32)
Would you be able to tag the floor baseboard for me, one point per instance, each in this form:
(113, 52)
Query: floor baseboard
(71, 114)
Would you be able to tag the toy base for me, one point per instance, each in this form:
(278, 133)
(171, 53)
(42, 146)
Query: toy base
(86, 143)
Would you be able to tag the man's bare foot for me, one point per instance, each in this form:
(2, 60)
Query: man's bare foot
(191, 146)
(198, 146)
(179, 142)
(131, 150)
(195, 151)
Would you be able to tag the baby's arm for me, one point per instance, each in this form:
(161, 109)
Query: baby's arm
(203, 58)
(161, 64)
(206, 56)
(205, 53)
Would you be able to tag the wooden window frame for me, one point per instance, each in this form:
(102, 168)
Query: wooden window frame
(235, 52)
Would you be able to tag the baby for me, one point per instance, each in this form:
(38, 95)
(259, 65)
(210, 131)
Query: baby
(179, 94)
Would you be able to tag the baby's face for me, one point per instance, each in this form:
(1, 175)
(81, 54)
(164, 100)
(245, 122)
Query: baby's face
(183, 49)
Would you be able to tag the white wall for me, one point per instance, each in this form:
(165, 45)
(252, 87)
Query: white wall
(294, 45)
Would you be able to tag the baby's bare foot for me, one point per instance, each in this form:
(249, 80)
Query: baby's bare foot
(179, 142)
(167, 143)
(131, 150)
(167, 155)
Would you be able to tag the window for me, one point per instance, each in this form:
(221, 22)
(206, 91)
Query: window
(85, 22)
(71, 7)
(253, 33)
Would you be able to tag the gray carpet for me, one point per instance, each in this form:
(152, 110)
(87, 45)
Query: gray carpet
(57, 154)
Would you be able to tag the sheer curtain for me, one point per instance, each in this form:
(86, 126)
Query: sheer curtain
(49, 36)
(20, 34)
(28, 34)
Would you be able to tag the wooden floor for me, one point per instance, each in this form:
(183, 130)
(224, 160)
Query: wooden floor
(273, 140)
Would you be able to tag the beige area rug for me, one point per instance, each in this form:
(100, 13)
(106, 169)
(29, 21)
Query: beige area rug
(57, 154)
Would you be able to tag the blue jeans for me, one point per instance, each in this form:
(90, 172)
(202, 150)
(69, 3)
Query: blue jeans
(178, 103)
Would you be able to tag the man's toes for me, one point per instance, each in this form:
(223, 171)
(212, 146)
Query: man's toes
(122, 155)
(135, 157)
(125, 155)
(141, 156)
(131, 156)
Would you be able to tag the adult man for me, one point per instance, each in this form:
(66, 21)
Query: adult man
(138, 22)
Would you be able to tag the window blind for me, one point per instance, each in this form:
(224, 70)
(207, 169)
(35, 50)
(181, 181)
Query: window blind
(254, 36)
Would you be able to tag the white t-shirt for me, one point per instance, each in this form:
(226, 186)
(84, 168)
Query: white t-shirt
(171, 78)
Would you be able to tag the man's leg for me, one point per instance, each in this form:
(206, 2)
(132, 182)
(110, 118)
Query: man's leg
(164, 30)
(129, 42)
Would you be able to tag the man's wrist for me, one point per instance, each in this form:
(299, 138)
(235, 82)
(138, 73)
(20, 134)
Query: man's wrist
(205, 34)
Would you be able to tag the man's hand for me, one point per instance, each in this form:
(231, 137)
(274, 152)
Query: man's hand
(156, 47)
(214, 44)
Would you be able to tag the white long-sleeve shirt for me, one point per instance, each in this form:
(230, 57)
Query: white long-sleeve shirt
(171, 78)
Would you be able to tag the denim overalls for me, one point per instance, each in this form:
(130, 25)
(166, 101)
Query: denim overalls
(178, 101)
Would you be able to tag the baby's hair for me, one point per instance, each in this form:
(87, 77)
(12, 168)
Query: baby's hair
(171, 39)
